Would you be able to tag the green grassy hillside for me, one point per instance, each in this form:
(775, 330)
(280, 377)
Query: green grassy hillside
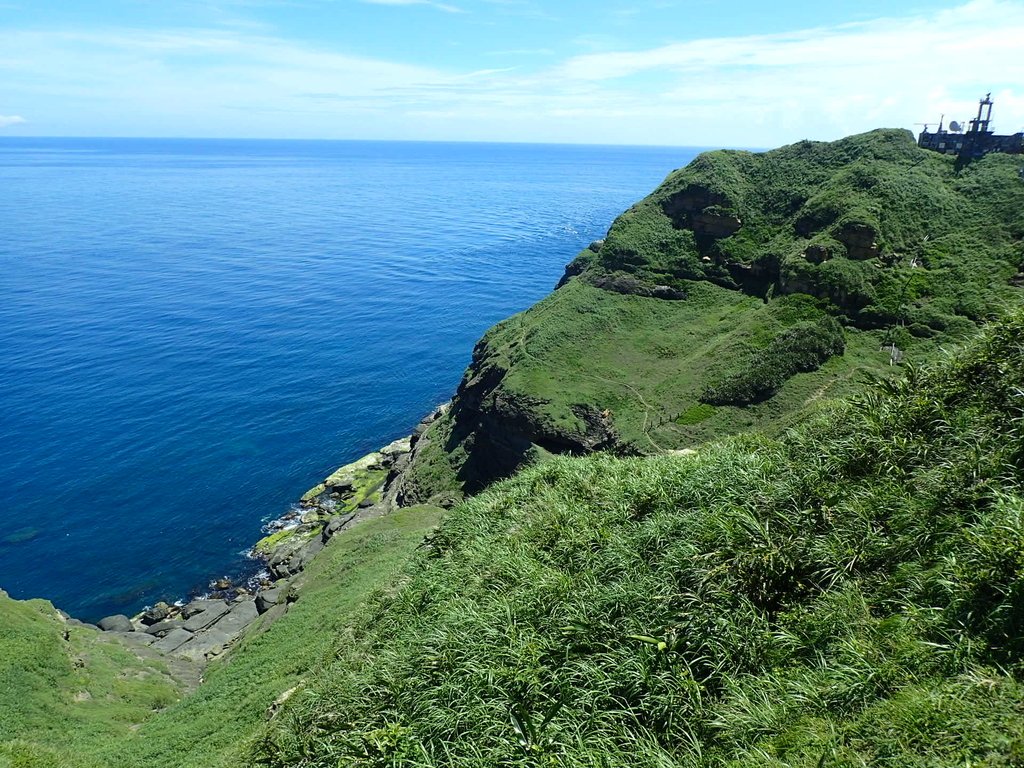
(848, 594)
(816, 582)
(66, 691)
(711, 306)
(46, 723)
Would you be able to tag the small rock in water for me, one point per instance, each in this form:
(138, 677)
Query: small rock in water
(223, 584)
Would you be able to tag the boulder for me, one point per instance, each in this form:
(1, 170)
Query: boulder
(135, 638)
(425, 423)
(400, 464)
(117, 623)
(197, 606)
(205, 618)
(715, 224)
(290, 563)
(629, 285)
(859, 239)
(82, 624)
(237, 619)
(668, 293)
(156, 614)
(268, 598)
(203, 646)
(392, 451)
(161, 628)
(342, 479)
(305, 555)
(682, 206)
(817, 253)
(274, 613)
(335, 524)
(282, 563)
(174, 640)
(311, 495)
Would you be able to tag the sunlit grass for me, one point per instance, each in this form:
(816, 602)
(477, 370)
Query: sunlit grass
(848, 594)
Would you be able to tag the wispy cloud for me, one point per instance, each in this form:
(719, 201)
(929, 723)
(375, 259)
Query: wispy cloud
(822, 82)
(744, 90)
(7, 121)
(523, 52)
(439, 6)
(942, 43)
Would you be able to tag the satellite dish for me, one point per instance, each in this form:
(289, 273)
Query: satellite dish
(955, 127)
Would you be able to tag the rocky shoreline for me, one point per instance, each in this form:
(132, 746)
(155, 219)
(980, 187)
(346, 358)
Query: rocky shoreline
(205, 628)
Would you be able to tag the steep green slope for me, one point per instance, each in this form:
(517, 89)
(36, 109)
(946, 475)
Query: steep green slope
(709, 307)
(840, 586)
(66, 690)
(213, 726)
(851, 593)
(84, 701)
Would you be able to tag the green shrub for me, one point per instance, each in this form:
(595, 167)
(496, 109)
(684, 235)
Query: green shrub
(799, 349)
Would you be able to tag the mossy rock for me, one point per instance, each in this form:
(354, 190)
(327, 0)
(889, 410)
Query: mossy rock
(290, 537)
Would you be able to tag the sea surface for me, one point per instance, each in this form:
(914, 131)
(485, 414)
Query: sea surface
(193, 332)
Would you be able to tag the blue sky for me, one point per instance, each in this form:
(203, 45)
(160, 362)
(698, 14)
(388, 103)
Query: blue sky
(701, 72)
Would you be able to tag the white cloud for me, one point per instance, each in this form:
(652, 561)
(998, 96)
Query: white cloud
(758, 90)
(6, 121)
(824, 82)
(944, 43)
(439, 6)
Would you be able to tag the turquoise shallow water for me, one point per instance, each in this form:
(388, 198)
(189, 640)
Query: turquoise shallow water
(192, 333)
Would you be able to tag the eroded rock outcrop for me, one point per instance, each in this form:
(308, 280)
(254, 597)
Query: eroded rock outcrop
(494, 430)
(860, 239)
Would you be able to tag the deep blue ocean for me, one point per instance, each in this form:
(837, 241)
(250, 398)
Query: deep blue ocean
(193, 333)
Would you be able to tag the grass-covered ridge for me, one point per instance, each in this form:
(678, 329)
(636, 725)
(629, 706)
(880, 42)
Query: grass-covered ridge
(851, 593)
(869, 248)
(886, 231)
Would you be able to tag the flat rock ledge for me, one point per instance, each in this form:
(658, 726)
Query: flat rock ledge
(205, 628)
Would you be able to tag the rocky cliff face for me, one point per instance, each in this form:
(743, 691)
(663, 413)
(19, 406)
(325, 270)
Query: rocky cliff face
(491, 431)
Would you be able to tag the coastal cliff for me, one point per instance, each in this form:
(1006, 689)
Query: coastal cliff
(701, 554)
(742, 291)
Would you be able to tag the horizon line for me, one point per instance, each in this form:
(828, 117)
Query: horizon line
(708, 147)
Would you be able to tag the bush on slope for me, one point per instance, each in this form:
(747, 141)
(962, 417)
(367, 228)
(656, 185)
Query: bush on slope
(800, 349)
(849, 594)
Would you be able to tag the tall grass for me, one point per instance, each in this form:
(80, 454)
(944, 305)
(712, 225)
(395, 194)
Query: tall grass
(850, 594)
